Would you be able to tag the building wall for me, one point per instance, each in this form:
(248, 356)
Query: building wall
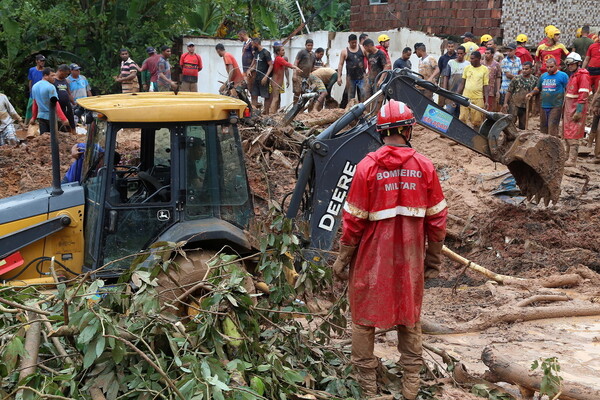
(438, 17)
(531, 16)
(333, 42)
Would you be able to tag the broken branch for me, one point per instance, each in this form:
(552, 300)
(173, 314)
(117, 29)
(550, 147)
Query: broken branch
(502, 369)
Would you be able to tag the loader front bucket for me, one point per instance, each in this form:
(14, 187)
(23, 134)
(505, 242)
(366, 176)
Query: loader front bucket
(537, 161)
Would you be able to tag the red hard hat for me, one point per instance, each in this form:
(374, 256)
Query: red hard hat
(394, 114)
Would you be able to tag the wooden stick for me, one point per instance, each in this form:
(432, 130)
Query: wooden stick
(23, 307)
(548, 282)
(32, 347)
(476, 267)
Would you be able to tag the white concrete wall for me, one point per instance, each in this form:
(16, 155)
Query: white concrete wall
(214, 69)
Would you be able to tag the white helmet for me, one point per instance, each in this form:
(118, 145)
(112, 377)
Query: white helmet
(573, 58)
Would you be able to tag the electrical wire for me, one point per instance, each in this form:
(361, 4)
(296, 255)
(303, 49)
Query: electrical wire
(40, 261)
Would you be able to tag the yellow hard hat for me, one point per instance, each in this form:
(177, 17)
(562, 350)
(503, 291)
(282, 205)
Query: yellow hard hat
(485, 39)
(579, 32)
(547, 29)
(383, 38)
(552, 32)
(521, 38)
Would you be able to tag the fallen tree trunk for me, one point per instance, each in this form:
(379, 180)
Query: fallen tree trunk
(512, 314)
(549, 282)
(504, 370)
(461, 375)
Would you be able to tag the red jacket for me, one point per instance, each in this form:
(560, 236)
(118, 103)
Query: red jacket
(385, 51)
(523, 54)
(395, 203)
(579, 86)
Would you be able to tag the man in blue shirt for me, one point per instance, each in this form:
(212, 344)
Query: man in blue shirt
(34, 76)
(511, 68)
(42, 93)
(78, 84)
(552, 85)
(404, 60)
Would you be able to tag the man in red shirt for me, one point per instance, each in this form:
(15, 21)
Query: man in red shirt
(279, 67)
(395, 205)
(384, 45)
(191, 64)
(592, 64)
(150, 65)
(521, 52)
(233, 70)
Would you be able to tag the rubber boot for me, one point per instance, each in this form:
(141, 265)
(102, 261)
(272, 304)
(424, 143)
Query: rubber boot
(573, 151)
(363, 360)
(410, 345)
(367, 378)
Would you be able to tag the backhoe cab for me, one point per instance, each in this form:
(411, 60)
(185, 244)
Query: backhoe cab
(157, 167)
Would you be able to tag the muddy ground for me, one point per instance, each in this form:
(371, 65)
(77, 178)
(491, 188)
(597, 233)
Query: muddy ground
(523, 239)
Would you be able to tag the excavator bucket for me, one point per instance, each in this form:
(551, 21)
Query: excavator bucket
(537, 161)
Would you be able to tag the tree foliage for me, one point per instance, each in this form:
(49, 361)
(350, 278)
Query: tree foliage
(91, 32)
(86, 32)
(239, 345)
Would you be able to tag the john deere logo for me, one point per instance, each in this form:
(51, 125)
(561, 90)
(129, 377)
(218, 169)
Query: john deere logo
(163, 215)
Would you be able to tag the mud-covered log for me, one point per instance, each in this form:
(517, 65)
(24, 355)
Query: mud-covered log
(513, 314)
(505, 370)
(543, 298)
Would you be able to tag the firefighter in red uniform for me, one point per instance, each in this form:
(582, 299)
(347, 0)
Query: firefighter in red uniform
(576, 106)
(395, 205)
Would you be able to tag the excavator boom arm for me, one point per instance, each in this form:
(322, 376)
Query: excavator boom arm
(329, 159)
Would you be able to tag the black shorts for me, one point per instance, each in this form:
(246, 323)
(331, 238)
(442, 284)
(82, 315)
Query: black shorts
(260, 90)
(68, 111)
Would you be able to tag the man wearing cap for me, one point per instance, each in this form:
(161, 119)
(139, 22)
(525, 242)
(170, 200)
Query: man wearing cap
(468, 43)
(128, 73)
(34, 76)
(511, 67)
(484, 43)
(191, 64)
(521, 52)
(150, 70)
(78, 84)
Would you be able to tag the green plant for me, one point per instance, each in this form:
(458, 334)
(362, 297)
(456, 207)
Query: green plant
(551, 380)
(482, 390)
